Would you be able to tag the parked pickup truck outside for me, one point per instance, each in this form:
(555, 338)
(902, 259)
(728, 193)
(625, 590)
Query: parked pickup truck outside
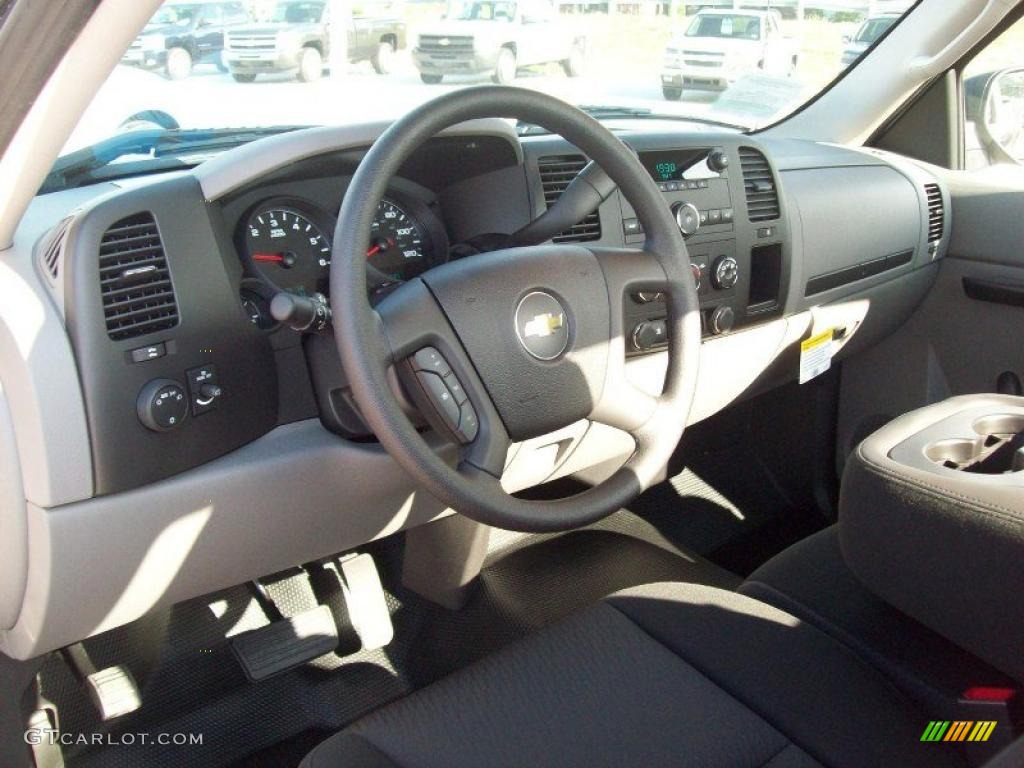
(719, 46)
(497, 36)
(868, 34)
(182, 34)
(298, 38)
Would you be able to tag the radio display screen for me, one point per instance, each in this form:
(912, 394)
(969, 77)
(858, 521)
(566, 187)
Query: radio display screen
(673, 164)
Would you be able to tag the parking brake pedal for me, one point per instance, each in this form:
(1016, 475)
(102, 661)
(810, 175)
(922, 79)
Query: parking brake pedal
(112, 690)
(286, 643)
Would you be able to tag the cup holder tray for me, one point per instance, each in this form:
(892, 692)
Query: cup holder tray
(984, 444)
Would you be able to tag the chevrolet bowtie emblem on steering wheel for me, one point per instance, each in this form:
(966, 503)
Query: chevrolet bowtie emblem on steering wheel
(542, 326)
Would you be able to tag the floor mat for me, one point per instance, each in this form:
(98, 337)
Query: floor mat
(191, 684)
(725, 505)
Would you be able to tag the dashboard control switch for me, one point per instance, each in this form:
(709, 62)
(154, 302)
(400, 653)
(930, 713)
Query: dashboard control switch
(301, 313)
(722, 320)
(646, 297)
(718, 161)
(203, 388)
(152, 352)
(649, 334)
(687, 217)
(455, 387)
(726, 273)
(429, 359)
(697, 275)
(468, 424)
(440, 397)
(162, 405)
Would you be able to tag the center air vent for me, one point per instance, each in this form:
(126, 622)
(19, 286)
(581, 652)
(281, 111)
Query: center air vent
(138, 297)
(556, 173)
(759, 186)
(936, 212)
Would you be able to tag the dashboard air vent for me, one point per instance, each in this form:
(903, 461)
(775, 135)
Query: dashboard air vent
(936, 212)
(555, 175)
(759, 185)
(51, 253)
(138, 297)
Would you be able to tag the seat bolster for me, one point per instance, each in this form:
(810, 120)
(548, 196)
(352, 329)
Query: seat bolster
(807, 685)
(347, 750)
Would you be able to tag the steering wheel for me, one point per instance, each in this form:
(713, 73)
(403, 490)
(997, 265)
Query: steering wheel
(515, 343)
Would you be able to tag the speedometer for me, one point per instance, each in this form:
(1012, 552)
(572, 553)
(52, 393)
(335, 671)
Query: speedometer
(288, 249)
(397, 242)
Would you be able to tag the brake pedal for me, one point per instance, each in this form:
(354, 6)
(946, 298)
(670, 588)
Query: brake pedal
(286, 643)
(113, 690)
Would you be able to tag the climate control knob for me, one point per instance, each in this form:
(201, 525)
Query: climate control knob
(722, 319)
(726, 273)
(687, 218)
(162, 405)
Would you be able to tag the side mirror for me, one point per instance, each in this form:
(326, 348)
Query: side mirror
(847, 39)
(1000, 124)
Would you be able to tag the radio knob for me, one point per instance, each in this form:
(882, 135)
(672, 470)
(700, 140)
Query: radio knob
(718, 161)
(687, 217)
(722, 319)
(726, 273)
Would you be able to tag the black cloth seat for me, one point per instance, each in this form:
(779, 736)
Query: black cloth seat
(661, 675)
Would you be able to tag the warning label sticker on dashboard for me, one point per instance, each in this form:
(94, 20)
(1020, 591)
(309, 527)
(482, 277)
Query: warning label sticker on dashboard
(816, 355)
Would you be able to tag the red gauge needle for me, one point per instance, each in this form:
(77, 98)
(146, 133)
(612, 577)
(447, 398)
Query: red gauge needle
(373, 251)
(275, 257)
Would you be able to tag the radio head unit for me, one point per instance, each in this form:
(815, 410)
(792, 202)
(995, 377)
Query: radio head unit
(687, 164)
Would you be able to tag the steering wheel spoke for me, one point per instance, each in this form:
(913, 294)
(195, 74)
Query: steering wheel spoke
(436, 372)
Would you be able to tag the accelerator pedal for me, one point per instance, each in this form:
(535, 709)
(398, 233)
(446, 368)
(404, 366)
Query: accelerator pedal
(286, 643)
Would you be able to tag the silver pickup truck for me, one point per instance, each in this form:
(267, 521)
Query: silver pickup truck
(719, 46)
(497, 36)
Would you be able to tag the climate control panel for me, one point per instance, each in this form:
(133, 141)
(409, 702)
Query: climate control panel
(716, 274)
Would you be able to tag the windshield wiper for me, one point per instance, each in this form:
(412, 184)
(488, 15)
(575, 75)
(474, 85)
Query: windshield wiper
(80, 167)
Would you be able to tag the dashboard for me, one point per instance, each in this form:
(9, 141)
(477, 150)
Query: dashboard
(170, 394)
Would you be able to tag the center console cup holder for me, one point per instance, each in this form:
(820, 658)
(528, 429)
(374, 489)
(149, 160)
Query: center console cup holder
(997, 449)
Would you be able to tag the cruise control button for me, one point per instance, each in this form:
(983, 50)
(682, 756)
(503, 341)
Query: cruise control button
(455, 387)
(468, 425)
(442, 399)
(429, 359)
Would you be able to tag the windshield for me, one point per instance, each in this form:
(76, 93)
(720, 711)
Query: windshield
(175, 14)
(298, 13)
(487, 11)
(874, 29)
(721, 63)
(720, 25)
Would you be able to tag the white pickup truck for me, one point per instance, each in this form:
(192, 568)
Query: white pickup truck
(720, 46)
(497, 36)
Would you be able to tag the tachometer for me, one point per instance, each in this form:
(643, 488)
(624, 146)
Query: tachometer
(288, 249)
(398, 242)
